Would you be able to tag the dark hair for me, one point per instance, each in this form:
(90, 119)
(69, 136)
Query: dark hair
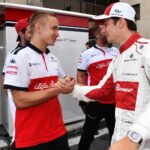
(130, 24)
(94, 29)
(19, 38)
(91, 43)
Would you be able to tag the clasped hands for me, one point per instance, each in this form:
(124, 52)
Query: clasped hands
(65, 85)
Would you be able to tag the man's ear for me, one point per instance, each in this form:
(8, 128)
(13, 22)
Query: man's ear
(37, 27)
(121, 22)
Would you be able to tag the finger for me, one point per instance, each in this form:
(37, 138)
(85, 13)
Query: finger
(61, 81)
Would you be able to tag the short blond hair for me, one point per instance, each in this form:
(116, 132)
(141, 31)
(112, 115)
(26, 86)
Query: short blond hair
(38, 16)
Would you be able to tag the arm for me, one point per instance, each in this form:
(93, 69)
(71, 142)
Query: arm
(81, 77)
(24, 99)
(87, 93)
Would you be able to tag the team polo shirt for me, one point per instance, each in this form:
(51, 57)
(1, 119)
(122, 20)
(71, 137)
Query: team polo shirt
(32, 70)
(9, 56)
(95, 62)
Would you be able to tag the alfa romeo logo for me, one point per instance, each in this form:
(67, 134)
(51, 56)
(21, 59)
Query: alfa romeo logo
(117, 11)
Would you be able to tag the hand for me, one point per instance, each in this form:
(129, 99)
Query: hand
(65, 86)
(60, 84)
(124, 144)
(68, 78)
(69, 86)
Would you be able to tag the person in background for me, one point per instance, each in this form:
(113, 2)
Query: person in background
(83, 104)
(129, 76)
(94, 62)
(23, 37)
(90, 43)
(33, 80)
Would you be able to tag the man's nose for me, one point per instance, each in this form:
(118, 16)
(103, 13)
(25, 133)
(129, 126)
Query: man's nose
(57, 33)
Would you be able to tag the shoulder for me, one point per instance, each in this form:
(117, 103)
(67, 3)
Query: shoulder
(53, 57)
(88, 52)
(22, 54)
(143, 46)
(115, 49)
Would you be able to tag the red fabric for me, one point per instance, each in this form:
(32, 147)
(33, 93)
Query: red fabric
(126, 95)
(41, 123)
(105, 94)
(97, 71)
(21, 24)
(130, 41)
(108, 9)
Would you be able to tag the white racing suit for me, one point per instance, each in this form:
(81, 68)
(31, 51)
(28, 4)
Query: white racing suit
(129, 76)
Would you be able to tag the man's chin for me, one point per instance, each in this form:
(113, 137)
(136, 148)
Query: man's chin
(51, 44)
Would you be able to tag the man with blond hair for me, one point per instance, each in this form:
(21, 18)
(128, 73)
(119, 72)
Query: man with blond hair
(33, 84)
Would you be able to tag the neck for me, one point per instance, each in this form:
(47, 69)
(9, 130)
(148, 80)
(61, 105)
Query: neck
(100, 43)
(124, 37)
(39, 44)
(22, 43)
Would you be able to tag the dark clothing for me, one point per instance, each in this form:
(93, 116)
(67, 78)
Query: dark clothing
(95, 112)
(60, 143)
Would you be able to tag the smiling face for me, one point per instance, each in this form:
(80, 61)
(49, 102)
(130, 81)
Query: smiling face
(111, 30)
(49, 30)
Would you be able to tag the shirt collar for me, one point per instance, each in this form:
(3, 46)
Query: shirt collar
(130, 41)
(37, 49)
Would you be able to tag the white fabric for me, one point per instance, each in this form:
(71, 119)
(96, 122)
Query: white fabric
(12, 108)
(120, 9)
(20, 71)
(93, 55)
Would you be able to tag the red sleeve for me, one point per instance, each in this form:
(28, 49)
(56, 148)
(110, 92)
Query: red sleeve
(105, 90)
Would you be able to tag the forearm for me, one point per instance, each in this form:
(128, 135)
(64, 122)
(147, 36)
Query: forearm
(79, 92)
(81, 77)
(98, 92)
(24, 99)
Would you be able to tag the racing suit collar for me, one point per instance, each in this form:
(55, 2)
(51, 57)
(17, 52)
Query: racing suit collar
(129, 42)
(37, 49)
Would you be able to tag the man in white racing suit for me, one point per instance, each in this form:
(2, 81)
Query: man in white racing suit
(129, 75)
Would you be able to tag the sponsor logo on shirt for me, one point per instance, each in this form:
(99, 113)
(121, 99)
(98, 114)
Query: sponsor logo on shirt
(34, 64)
(53, 60)
(12, 61)
(127, 121)
(93, 55)
(42, 86)
(100, 66)
(118, 88)
(129, 74)
(12, 67)
(127, 60)
(11, 72)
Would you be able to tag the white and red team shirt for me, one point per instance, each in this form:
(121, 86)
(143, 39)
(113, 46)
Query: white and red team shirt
(32, 70)
(95, 62)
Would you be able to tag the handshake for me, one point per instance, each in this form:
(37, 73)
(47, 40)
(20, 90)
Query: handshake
(68, 85)
(65, 85)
